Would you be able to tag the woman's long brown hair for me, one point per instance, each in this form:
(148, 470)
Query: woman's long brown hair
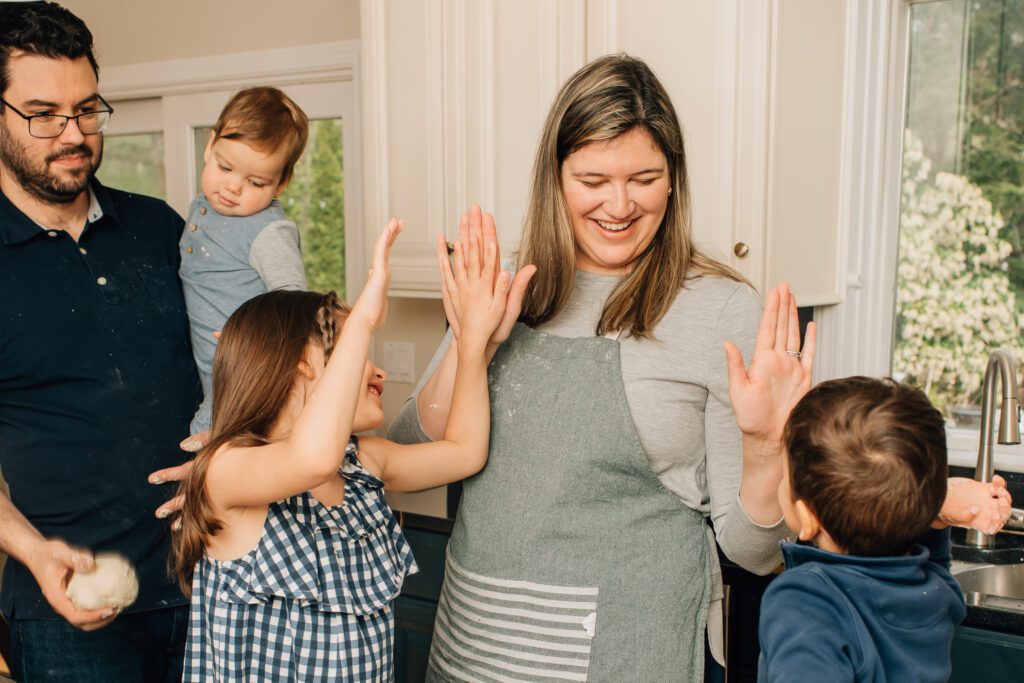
(608, 97)
(254, 371)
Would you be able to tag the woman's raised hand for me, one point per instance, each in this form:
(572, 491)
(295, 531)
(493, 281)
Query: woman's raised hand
(475, 289)
(477, 235)
(372, 304)
(779, 375)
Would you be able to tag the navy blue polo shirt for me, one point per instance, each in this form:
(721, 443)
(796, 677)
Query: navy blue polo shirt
(97, 385)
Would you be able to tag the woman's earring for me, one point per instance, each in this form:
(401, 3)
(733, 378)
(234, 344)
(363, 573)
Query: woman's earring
(670, 190)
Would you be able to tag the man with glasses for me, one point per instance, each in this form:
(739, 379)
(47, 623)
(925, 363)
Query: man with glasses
(97, 381)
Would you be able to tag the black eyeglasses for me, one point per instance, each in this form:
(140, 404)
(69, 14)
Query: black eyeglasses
(52, 125)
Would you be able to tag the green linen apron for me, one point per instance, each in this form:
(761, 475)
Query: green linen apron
(569, 560)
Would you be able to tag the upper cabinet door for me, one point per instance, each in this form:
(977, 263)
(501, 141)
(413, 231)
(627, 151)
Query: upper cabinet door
(455, 94)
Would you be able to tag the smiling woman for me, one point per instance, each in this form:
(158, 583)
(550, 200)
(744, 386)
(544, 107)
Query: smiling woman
(616, 193)
(612, 436)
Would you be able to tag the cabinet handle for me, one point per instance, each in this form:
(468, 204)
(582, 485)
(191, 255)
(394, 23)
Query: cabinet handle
(740, 249)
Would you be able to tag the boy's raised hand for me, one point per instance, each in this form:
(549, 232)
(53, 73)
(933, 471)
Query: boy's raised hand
(372, 304)
(779, 375)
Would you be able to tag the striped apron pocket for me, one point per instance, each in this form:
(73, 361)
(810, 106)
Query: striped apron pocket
(491, 629)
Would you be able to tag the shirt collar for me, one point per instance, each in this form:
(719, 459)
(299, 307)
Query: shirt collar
(797, 554)
(16, 227)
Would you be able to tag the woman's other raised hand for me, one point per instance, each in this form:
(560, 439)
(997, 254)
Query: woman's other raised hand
(372, 305)
(779, 375)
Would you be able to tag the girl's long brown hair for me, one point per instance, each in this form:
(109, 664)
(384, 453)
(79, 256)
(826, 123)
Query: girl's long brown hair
(254, 371)
(606, 98)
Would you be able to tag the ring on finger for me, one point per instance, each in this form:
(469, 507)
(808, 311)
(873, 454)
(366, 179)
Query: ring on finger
(795, 354)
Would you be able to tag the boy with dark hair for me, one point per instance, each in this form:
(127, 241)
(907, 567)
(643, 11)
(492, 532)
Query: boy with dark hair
(864, 479)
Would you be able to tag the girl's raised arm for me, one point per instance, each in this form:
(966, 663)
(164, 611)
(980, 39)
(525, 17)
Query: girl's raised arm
(314, 448)
(434, 400)
(476, 294)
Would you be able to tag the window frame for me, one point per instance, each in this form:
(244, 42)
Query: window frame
(857, 335)
(162, 97)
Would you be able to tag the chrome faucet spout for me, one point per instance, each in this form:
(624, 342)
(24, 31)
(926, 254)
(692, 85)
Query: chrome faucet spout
(1001, 365)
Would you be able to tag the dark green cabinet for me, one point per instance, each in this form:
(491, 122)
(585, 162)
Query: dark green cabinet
(416, 607)
(988, 656)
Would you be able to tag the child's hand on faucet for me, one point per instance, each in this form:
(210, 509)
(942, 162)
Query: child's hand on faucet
(981, 506)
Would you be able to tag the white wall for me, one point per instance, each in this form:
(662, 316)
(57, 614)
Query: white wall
(133, 31)
(139, 31)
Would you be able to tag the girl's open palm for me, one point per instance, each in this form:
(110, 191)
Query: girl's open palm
(779, 375)
(372, 304)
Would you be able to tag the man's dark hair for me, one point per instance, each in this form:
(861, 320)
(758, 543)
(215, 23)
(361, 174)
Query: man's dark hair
(868, 457)
(45, 29)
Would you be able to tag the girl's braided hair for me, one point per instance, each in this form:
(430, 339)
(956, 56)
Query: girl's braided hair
(327, 320)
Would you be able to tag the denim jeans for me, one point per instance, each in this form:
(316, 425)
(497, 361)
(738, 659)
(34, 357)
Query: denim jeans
(143, 646)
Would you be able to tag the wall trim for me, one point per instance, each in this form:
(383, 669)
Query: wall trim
(856, 335)
(334, 61)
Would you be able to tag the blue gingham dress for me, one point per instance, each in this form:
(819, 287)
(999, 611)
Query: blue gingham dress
(312, 600)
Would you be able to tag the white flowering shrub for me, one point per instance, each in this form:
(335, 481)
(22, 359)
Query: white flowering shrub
(954, 300)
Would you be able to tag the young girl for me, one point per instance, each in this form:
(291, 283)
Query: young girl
(291, 553)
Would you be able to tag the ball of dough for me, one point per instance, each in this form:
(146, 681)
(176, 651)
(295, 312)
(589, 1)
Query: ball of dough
(112, 583)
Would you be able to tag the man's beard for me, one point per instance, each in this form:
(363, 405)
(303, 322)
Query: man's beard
(38, 181)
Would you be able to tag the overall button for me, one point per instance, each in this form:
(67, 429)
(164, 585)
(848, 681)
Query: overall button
(188, 249)
(202, 210)
(101, 280)
(191, 227)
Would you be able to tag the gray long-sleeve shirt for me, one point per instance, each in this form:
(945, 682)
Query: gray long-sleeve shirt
(678, 394)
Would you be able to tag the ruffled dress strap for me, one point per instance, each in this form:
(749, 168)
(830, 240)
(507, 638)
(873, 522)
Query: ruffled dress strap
(349, 558)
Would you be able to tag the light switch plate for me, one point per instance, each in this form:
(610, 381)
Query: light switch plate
(399, 361)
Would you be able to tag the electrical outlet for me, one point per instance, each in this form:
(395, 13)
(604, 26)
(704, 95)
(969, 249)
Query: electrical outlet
(399, 361)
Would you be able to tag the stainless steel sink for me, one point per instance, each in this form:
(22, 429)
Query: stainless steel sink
(997, 586)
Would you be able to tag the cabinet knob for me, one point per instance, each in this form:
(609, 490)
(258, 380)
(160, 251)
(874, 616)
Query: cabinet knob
(740, 249)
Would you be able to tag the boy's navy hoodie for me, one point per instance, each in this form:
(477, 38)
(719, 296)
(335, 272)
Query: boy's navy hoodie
(832, 617)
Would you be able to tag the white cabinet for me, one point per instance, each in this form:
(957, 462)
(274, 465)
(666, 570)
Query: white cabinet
(455, 93)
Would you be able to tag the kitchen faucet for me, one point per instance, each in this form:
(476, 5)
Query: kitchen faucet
(1001, 363)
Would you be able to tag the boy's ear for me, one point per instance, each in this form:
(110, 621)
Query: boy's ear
(281, 186)
(810, 526)
(209, 147)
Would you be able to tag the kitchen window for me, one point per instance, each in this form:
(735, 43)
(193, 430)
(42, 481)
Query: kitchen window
(164, 112)
(960, 273)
